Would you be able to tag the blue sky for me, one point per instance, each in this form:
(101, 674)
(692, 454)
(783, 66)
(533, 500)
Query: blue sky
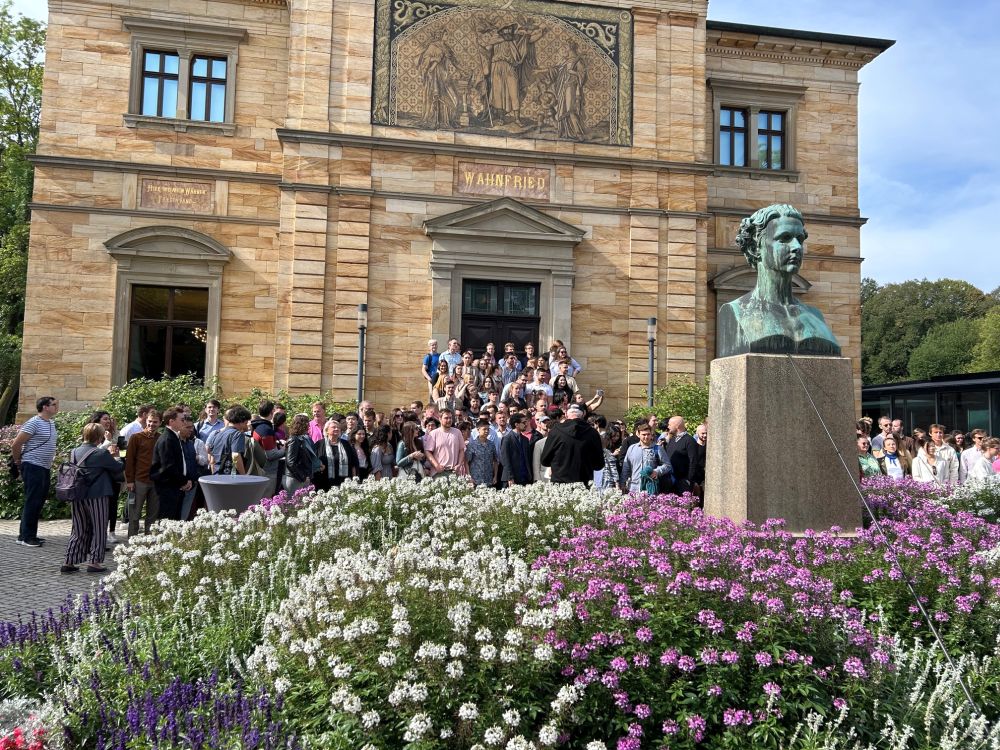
(929, 114)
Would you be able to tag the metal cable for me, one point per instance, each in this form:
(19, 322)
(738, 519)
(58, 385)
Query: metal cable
(885, 539)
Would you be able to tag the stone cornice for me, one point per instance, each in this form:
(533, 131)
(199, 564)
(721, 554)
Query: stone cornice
(788, 45)
(107, 165)
(286, 135)
(850, 221)
(151, 214)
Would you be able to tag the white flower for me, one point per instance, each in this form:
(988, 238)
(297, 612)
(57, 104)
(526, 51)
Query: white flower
(548, 734)
(419, 725)
(387, 658)
(457, 650)
(370, 719)
(512, 717)
(508, 655)
(493, 736)
(596, 745)
(281, 685)
(543, 652)
(353, 704)
(514, 637)
(483, 635)
(488, 652)
(468, 712)
(564, 610)
(454, 669)
(418, 692)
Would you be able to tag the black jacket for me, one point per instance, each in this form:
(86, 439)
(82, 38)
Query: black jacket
(167, 469)
(515, 458)
(322, 477)
(683, 454)
(574, 452)
(298, 457)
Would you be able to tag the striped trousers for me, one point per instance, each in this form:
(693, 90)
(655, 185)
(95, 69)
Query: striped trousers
(90, 531)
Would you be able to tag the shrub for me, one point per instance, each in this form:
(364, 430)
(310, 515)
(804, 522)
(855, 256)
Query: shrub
(122, 400)
(680, 396)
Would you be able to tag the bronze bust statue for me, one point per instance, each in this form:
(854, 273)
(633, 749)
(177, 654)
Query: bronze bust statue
(769, 320)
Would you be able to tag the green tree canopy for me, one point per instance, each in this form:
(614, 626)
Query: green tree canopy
(986, 353)
(22, 42)
(896, 317)
(945, 350)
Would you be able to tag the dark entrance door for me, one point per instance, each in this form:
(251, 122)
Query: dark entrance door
(499, 311)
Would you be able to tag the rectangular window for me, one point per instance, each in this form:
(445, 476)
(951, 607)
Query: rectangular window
(168, 331)
(733, 137)
(160, 74)
(208, 88)
(183, 75)
(771, 139)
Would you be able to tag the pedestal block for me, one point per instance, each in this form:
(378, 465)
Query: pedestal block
(768, 455)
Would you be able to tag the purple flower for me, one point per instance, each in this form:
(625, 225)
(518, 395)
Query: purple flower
(643, 711)
(855, 667)
(686, 664)
(772, 689)
(644, 634)
(763, 659)
(670, 727)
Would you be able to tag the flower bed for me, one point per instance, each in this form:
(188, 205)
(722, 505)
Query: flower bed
(395, 614)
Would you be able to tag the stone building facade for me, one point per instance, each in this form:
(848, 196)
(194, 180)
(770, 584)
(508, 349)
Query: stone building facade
(220, 184)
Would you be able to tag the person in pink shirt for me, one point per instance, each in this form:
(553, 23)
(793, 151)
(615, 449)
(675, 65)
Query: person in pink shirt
(318, 420)
(445, 448)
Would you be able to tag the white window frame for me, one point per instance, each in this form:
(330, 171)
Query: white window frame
(187, 41)
(754, 98)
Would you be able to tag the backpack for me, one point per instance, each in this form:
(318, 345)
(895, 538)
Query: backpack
(73, 480)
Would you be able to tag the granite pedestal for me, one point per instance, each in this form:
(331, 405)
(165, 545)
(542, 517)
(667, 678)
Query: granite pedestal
(768, 455)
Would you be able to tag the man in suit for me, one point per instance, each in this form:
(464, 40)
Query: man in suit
(515, 453)
(338, 457)
(169, 470)
(682, 451)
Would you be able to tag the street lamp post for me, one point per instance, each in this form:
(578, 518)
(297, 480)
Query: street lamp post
(362, 328)
(651, 337)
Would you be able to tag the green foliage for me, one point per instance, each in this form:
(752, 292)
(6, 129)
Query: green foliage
(22, 41)
(896, 317)
(122, 401)
(986, 353)
(680, 396)
(947, 349)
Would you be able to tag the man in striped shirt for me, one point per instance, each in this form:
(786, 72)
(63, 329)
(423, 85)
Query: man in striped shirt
(33, 451)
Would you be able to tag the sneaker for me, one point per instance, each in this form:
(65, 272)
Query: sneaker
(30, 542)
(112, 539)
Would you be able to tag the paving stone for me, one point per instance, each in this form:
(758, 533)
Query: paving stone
(31, 581)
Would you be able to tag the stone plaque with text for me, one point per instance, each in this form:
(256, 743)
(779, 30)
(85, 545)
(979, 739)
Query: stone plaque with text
(176, 195)
(504, 181)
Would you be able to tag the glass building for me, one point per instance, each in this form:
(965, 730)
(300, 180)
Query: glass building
(959, 402)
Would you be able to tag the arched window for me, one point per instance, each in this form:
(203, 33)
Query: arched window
(168, 301)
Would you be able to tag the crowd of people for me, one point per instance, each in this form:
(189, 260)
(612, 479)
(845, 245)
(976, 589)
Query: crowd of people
(500, 419)
(933, 455)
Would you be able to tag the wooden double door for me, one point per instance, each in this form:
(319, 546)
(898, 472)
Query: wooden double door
(498, 312)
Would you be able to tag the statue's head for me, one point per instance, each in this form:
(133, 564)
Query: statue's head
(752, 237)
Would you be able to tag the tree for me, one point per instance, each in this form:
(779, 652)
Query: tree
(986, 353)
(22, 42)
(945, 350)
(868, 289)
(896, 317)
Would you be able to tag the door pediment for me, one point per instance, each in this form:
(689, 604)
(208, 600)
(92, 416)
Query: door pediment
(504, 219)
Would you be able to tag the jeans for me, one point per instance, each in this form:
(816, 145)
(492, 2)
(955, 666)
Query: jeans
(36, 489)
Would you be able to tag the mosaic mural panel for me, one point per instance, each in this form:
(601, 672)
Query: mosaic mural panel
(524, 68)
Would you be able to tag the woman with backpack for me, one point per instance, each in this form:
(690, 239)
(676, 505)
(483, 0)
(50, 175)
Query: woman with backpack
(101, 473)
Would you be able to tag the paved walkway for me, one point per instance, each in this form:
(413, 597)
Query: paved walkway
(29, 576)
